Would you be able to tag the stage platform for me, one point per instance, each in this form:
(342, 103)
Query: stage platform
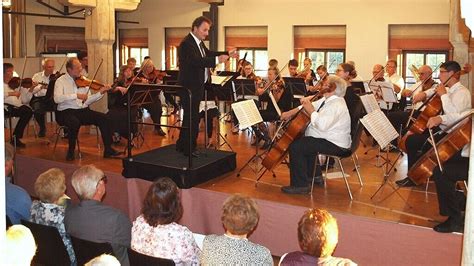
(166, 161)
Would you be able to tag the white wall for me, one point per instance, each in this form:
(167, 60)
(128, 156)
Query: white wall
(366, 22)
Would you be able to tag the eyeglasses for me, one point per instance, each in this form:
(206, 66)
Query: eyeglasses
(104, 179)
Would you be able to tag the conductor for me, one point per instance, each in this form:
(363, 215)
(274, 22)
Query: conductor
(195, 61)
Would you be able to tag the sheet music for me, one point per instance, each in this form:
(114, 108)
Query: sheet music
(247, 113)
(219, 80)
(370, 103)
(379, 127)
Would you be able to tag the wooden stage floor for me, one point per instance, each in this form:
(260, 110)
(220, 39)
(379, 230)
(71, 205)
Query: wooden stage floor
(410, 206)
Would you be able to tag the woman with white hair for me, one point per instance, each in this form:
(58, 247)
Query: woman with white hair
(329, 132)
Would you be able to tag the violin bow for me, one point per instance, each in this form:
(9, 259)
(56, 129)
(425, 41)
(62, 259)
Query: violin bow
(92, 80)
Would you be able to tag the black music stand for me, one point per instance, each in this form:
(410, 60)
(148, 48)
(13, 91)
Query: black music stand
(242, 88)
(297, 86)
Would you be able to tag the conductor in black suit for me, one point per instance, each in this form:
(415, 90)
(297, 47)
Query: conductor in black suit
(195, 61)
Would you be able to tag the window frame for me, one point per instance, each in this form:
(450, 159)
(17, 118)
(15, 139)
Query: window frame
(326, 51)
(425, 54)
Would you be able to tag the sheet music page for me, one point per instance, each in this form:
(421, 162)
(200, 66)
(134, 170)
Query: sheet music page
(219, 80)
(277, 108)
(388, 94)
(379, 127)
(369, 102)
(247, 113)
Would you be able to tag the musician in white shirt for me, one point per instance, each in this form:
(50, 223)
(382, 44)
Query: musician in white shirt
(455, 99)
(73, 108)
(14, 106)
(328, 133)
(39, 103)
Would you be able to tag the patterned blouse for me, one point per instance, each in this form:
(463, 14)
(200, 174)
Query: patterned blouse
(169, 241)
(225, 250)
(52, 215)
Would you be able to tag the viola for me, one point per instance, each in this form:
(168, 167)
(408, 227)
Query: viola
(447, 147)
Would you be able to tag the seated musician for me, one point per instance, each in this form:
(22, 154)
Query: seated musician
(14, 106)
(283, 98)
(418, 92)
(310, 75)
(322, 74)
(293, 68)
(455, 98)
(151, 75)
(117, 103)
(39, 102)
(73, 109)
(328, 132)
(272, 63)
(378, 73)
(393, 77)
(347, 72)
(247, 71)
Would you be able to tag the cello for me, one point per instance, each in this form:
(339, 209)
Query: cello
(446, 148)
(433, 107)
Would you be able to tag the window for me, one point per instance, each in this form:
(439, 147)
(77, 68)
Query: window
(419, 58)
(328, 58)
(138, 53)
(257, 57)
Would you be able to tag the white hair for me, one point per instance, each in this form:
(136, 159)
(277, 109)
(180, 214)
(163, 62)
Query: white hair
(46, 60)
(20, 246)
(340, 83)
(103, 260)
(84, 181)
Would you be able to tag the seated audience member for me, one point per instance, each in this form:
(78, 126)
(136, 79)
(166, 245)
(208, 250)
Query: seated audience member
(17, 200)
(91, 219)
(156, 232)
(20, 246)
(239, 217)
(317, 236)
(103, 260)
(50, 187)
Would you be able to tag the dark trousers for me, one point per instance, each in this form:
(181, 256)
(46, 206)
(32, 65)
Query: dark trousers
(73, 119)
(303, 153)
(451, 202)
(118, 117)
(40, 105)
(192, 115)
(417, 145)
(24, 113)
(211, 114)
(170, 99)
(155, 111)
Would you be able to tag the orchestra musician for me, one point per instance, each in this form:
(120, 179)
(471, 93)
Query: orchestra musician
(14, 106)
(272, 63)
(328, 133)
(73, 109)
(39, 102)
(293, 68)
(117, 103)
(151, 75)
(82, 56)
(397, 81)
(419, 92)
(195, 61)
(455, 98)
(310, 75)
(322, 72)
(378, 73)
(283, 98)
(247, 71)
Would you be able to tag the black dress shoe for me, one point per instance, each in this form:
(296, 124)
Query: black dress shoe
(450, 225)
(160, 132)
(70, 156)
(112, 153)
(406, 182)
(295, 190)
(18, 143)
(195, 154)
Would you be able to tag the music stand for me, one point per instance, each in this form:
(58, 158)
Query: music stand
(297, 86)
(244, 89)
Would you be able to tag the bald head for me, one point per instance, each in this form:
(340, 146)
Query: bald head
(377, 71)
(424, 72)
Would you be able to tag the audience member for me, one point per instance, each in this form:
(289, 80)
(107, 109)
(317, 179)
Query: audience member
(317, 236)
(103, 260)
(239, 217)
(20, 246)
(17, 200)
(156, 232)
(50, 187)
(91, 219)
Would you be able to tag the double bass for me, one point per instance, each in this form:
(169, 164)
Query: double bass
(433, 107)
(447, 147)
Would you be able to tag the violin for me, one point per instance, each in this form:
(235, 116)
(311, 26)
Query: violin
(433, 107)
(14, 83)
(85, 82)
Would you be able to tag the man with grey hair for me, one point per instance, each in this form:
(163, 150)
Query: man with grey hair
(94, 221)
(17, 200)
(329, 132)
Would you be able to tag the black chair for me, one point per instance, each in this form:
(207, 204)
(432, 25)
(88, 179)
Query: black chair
(86, 250)
(50, 246)
(8, 221)
(138, 259)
